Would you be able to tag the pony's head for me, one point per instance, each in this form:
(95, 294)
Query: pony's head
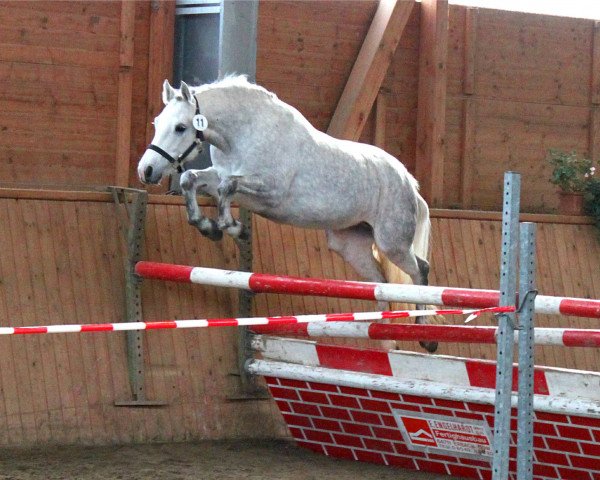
(177, 134)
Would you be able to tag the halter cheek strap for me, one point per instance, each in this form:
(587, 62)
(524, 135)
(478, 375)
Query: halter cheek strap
(178, 162)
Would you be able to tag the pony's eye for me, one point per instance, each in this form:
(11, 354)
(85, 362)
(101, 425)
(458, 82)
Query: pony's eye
(180, 128)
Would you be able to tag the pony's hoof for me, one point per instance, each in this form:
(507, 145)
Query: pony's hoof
(244, 233)
(431, 347)
(209, 229)
(214, 235)
(224, 225)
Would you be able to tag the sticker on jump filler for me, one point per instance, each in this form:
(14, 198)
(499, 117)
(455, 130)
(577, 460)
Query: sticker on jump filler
(438, 433)
(200, 122)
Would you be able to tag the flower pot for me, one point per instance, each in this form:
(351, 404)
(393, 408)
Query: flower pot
(570, 203)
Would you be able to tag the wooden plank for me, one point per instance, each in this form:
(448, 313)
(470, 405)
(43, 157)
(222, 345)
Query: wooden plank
(595, 80)
(123, 133)
(267, 263)
(380, 120)
(466, 166)
(132, 425)
(594, 133)
(431, 114)
(202, 351)
(108, 272)
(74, 246)
(35, 415)
(95, 299)
(154, 298)
(344, 12)
(14, 34)
(279, 263)
(167, 369)
(470, 45)
(369, 69)
(189, 422)
(58, 387)
(66, 11)
(94, 19)
(303, 261)
(56, 56)
(14, 389)
(160, 57)
(66, 278)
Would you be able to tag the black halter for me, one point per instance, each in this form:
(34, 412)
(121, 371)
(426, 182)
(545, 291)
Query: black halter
(178, 162)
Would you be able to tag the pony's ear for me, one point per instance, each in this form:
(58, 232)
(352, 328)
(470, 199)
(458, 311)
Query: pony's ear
(168, 92)
(186, 92)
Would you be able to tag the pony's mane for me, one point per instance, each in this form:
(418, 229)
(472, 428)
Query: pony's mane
(233, 81)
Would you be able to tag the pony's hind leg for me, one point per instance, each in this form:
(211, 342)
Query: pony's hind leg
(355, 246)
(191, 181)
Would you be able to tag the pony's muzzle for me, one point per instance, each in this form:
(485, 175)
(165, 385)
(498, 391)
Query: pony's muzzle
(148, 174)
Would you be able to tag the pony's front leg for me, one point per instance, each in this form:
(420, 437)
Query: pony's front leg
(191, 181)
(236, 229)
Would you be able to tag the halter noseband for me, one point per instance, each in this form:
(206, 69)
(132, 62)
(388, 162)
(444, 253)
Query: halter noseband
(178, 162)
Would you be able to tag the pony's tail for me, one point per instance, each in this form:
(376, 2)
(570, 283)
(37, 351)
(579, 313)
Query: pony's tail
(423, 230)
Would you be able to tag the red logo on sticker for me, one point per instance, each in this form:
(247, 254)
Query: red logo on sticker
(419, 431)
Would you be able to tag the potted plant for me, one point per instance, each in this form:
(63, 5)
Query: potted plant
(573, 174)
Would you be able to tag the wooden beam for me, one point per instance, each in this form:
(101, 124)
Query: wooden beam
(160, 57)
(471, 14)
(124, 96)
(370, 68)
(594, 122)
(595, 77)
(594, 134)
(431, 114)
(380, 115)
(467, 142)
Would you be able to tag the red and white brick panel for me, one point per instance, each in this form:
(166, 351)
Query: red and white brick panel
(265, 283)
(423, 432)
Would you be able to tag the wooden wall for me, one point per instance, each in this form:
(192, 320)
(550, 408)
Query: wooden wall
(61, 263)
(64, 92)
(517, 85)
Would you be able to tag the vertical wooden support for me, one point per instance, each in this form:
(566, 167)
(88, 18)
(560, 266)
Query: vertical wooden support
(467, 140)
(431, 115)
(595, 77)
(125, 86)
(380, 114)
(370, 68)
(160, 57)
(594, 130)
(594, 133)
(471, 14)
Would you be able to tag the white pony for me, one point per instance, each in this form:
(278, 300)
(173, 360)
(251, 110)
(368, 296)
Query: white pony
(269, 159)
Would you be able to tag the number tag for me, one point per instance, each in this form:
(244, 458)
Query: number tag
(200, 122)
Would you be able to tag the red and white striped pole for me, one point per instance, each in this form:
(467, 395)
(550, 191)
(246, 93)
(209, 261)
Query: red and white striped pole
(349, 325)
(429, 333)
(239, 322)
(388, 292)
